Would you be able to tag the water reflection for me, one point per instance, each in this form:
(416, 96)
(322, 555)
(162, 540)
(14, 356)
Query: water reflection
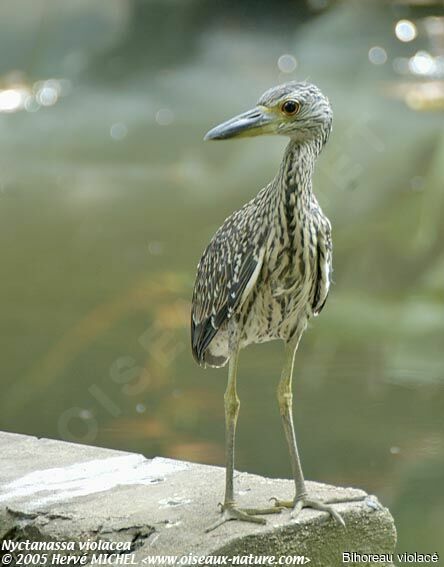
(406, 30)
(19, 94)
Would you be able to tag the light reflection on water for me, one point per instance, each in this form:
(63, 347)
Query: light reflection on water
(18, 94)
(101, 234)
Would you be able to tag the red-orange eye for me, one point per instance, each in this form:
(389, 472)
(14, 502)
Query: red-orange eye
(290, 107)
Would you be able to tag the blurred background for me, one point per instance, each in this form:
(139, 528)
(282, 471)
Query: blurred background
(108, 196)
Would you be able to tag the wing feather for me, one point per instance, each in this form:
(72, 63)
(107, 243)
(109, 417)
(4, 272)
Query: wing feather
(324, 268)
(226, 275)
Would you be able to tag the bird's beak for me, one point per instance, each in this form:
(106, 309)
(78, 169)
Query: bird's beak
(251, 123)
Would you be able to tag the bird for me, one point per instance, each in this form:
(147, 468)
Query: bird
(267, 271)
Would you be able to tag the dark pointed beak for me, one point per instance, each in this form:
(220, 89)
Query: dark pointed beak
(251, 123)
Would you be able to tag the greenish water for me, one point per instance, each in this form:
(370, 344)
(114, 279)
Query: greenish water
(108, 199)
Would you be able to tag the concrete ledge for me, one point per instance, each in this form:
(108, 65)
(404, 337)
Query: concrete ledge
(55, 491)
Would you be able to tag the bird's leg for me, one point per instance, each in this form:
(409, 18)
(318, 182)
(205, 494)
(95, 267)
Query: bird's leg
(285, 399)
(229, 509)
(232, 405)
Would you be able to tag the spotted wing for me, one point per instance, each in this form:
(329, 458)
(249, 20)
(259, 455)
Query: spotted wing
(226, 274)
(324, 267)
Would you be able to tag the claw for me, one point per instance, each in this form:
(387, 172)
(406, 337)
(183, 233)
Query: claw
(339, 519)
(281, 504)
(297, 508)
(277, 504)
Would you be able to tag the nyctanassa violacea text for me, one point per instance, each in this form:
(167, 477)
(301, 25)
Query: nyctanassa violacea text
(267, 270)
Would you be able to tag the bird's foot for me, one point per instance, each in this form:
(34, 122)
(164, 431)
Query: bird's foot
(232, 512)
(303, 501)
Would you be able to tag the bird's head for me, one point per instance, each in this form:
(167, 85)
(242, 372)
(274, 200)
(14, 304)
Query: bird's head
(297, 110)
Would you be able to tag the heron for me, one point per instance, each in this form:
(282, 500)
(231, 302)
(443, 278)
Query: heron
(267, 272)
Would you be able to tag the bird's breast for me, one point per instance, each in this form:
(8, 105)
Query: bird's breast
(284, 291)
(291, 261)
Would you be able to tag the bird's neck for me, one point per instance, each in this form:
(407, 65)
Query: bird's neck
(295, 174)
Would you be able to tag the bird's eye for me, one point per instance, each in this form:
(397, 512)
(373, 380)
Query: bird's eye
(290, 107)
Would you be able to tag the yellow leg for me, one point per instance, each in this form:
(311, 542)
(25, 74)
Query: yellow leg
(232, 405)
(285, 400)
(229, 509)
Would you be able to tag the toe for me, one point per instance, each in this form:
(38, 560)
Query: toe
(339, 519)
(244, 515)
(297, 508)
(281, 503)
